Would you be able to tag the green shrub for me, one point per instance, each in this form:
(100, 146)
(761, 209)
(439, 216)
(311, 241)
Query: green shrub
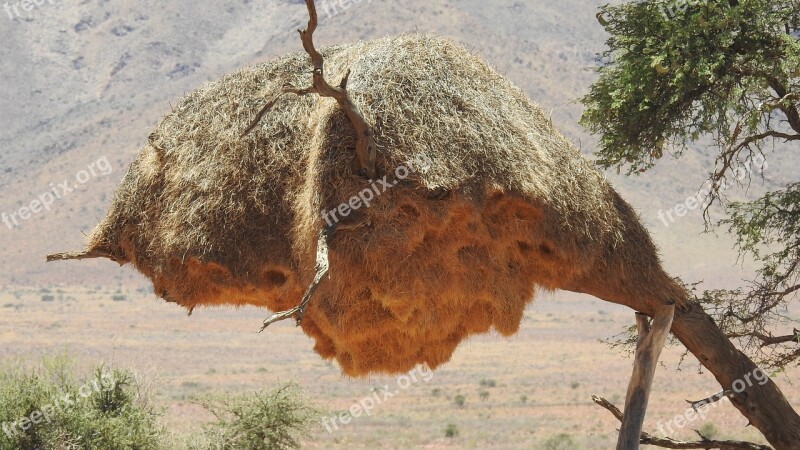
(264, 420)
(489, 383)
(460, 400)
(451, 431)
(46, 407)
(709, 430)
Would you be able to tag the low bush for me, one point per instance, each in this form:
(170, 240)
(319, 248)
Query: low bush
(264, 420)
(561, 441)
(46, 407)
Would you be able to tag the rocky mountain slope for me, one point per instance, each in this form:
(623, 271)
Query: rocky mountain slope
(85, 82)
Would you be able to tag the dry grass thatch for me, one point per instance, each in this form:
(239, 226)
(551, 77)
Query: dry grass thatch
(506, 205)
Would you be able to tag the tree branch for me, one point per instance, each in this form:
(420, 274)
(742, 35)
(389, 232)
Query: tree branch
(77, 256)
(321, 270)
(366, 147)
(727, 157)
(730, 155)
(705, 443)
(697, 404)
(791, 112)
(773, 340)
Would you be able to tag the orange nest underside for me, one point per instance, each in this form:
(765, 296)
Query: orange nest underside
(406, 290)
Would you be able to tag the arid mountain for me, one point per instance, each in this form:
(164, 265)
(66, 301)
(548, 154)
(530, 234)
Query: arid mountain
(85, 82)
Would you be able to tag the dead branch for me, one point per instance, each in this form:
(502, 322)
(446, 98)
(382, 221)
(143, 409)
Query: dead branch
(705, 443)
(321, 271)
(648, 349)
(774, 340)
(77, 256)
(697, 404)
(366, 147)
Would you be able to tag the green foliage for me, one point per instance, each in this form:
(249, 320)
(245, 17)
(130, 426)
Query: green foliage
(484, 395)
(489, 383)
(451, 431)
(762, 224)
(726, 72)
(713, 69)
(769, 230)
(460, 400)
(46, 407)
(264, 420)
(708, 430)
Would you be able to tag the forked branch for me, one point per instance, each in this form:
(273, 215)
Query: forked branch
(366, 147)
(704, 443)
(321, 270)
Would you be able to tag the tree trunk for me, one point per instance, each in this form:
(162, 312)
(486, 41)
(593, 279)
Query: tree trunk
(764, 406)
(648, 348)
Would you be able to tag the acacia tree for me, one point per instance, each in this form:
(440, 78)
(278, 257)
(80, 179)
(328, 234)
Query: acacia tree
(725, 72)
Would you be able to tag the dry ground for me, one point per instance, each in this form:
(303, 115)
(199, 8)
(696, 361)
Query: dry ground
(542, 378)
